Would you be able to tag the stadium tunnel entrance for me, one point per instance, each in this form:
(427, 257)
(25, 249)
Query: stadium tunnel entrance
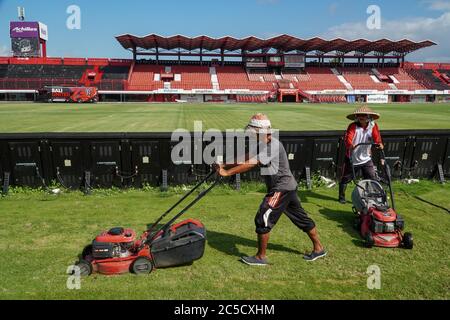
(288, 95)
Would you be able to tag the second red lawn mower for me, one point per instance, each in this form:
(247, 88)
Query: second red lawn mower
(377, 221)
(119, 251)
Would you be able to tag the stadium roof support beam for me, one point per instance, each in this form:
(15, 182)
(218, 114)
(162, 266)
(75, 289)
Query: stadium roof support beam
(361, 60)
(341, 57)
(380, 57)
(134, 53)
(157, 55)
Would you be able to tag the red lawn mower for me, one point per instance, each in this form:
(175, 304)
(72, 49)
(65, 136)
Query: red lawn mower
(119, 251)
(377, 221)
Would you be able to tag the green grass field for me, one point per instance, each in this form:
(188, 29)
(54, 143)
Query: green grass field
(41, 235)
(167, 117)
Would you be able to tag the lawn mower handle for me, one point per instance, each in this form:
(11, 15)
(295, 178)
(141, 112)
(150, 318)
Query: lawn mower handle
(351, 156)
(366, 144)
(200, 196)
(383, 163)
(181, 200)
(164, 228)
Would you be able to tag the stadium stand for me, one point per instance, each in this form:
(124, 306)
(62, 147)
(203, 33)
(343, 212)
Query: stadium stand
(233, 77)
(285, 84)
(114, 72)
(111, 77)
(29, 76)
(317, 79)
(444, 74)
(143, 77)
(34, 73)
(363, 79)
(262, 75)
(45, 71)
(3, 70)
(402, 80)
(428, 78)
(153, 77)
(191, 77)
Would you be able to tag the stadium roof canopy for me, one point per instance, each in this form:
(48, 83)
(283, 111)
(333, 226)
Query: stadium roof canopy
(285, 43)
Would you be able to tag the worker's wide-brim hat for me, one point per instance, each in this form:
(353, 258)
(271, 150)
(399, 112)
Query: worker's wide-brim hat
(259, 125)
(364, 110)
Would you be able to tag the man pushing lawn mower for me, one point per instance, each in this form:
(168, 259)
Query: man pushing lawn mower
(362, 131)
(281, 191)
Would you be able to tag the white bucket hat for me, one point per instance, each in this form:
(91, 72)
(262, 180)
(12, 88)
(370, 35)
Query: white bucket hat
(257, 124)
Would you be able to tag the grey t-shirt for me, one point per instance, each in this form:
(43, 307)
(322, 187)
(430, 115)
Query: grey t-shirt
(275, 167)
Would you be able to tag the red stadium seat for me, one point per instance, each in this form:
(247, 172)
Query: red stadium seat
(360, 79)
(317, 79)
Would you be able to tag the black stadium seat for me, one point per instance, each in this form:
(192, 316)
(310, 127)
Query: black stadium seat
(45, 71)
(35, 76)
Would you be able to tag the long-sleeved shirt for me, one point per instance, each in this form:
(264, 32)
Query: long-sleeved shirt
(356, 134)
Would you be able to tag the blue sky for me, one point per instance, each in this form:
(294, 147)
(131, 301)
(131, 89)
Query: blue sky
(101, 20)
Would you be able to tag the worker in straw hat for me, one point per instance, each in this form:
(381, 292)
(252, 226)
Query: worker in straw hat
(363, 129)
(281, 194)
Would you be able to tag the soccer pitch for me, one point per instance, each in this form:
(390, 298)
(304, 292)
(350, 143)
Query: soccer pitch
(141, 117)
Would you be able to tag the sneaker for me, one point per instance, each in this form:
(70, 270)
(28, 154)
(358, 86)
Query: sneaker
(254, 261)
(315, 255)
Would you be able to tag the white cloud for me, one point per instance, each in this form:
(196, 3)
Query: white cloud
(438, 5)
(416, 29)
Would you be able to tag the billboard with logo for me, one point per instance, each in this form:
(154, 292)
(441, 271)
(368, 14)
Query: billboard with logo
(22, 29)
(26, 37)
(28, 29)
(378, 98)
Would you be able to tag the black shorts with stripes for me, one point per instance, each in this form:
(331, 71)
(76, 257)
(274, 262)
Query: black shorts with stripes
(276, 203)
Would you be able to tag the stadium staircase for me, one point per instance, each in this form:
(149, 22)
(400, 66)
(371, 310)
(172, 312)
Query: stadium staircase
(392, 86)
(214, 78)
(307, 96)
(347, 85)
(133, 64)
